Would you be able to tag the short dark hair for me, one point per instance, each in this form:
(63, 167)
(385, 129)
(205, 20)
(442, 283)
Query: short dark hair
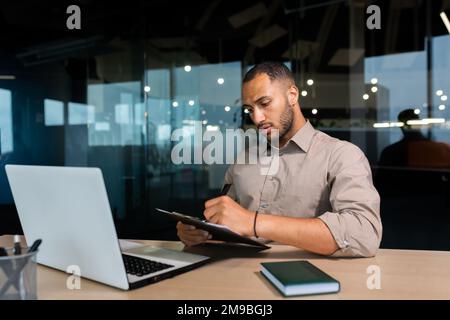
(275, 71)
(407, 114)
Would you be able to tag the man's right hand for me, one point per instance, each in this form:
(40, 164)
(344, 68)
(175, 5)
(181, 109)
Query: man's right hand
(190, 235)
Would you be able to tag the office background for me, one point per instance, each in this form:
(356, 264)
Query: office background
(109, 95)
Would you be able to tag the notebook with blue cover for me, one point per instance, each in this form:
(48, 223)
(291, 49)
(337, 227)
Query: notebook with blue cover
(299, 278)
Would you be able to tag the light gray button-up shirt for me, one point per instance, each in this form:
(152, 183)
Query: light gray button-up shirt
(318, 176)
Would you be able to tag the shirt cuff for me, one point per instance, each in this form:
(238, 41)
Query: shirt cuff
(337, 229)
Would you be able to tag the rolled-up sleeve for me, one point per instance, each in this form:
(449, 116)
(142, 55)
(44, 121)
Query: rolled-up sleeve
(354, 220)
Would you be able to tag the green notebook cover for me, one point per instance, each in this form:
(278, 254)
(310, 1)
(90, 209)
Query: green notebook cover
(299, 278)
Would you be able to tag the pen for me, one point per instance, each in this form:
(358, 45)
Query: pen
(3, 252)
(224, 192)
(7, 265)
(225, 189)
(17, 248)
(35, 245)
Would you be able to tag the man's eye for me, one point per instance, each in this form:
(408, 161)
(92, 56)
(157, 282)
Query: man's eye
(265, 103)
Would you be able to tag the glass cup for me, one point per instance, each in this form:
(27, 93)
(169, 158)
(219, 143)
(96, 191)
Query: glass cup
(18, 276)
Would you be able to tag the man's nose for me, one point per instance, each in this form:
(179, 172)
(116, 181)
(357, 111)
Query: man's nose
(258, 116)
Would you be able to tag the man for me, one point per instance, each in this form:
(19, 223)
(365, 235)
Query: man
(415, 149)
(403, 169)
(321, 199)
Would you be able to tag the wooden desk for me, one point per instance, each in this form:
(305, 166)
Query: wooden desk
(405, 274)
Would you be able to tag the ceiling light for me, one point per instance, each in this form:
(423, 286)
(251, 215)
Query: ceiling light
(381, 125)
(445, 20)
(7, 77)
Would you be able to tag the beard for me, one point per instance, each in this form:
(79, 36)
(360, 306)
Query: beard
(286, 121)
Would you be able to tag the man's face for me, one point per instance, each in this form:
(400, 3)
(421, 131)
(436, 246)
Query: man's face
(267, 103)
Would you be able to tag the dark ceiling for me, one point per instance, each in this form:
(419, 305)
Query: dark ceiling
(204, 29)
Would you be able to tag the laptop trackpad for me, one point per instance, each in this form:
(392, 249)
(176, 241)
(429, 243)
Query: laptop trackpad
(180, 256)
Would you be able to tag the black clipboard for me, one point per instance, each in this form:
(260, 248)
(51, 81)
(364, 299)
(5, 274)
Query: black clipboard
(218, 232)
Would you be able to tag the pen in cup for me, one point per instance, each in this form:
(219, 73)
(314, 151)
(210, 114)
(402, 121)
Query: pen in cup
(35, 245)
(7, 266)
(17, 247)
(3, 252)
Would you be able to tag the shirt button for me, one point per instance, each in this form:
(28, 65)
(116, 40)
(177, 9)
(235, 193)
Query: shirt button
(264, 205)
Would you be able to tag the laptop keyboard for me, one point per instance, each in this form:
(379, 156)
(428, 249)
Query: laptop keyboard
(141, 267)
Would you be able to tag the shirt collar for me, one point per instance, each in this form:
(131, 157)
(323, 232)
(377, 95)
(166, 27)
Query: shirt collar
(303, 136)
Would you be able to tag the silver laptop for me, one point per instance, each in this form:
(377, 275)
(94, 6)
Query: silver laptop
(68, 209)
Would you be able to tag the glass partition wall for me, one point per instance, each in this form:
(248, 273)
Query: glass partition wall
(111, 95)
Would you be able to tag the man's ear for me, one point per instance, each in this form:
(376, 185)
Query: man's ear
(293, 95)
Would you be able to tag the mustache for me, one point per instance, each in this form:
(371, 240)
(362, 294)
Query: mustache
(260, 125)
